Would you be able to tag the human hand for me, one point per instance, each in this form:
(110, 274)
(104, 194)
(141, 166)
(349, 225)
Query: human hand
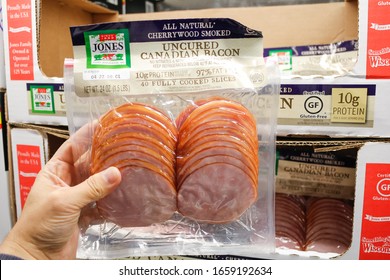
(48, 226)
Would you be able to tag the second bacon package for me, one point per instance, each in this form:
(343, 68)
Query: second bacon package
(186, 110)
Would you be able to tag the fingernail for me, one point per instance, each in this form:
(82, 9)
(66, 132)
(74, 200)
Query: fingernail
(111, 175)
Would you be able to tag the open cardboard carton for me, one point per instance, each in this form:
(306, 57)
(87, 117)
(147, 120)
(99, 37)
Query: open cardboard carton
(29, 148)
(5, 195)
(34, 61)
(370, 235)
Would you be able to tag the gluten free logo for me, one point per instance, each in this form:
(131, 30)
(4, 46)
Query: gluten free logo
(313, 105)
(383, 187)
(107, 48)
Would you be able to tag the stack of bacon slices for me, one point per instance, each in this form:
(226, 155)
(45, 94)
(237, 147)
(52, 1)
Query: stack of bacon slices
(329, 225)
(140, 140)
(205, 166)
(217, 160)
(317, 224)
(290, 221)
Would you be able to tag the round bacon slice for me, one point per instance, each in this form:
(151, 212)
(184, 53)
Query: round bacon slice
(136, 123)
(326, 245)
(113, 159)
(143, 198)
(209, 142)
(137, 108)
(211, 109)
(293, 219)
(198, 126)
(136, 162)
(290, 208)
(215, 149)
(136, 139)
(141, 147)
(330, 232)
(217, 127)
(195, 104)
(226, 139)
(283, 240)
(287, 225)
(216, 193)
(204, 159)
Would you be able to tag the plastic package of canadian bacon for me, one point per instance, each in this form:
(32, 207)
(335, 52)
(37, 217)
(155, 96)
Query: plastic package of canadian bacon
(186, 110)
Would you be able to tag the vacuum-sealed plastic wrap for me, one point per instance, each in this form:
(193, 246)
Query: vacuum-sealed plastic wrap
(186, 109)
(314, 197)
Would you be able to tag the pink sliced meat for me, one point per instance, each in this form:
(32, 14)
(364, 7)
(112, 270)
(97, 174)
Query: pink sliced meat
(215, 148)
(288, 226)
(215, 154)
(143, 198)
(135, 156)
(184, 173)
(284, 241)
(143, 129)
(137, 108)
(120, 141)
(216, 193)
(225, 122)
(325, 245)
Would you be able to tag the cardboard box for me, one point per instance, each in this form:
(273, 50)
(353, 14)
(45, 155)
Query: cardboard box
(349, 106)
(35, 59)
(6, 200)
(36, 41)
(115, 5)
(2, 62)
(30, 146)
(370, 235)
(364, 163)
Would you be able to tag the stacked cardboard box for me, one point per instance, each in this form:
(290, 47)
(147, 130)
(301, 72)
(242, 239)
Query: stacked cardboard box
(350, 103)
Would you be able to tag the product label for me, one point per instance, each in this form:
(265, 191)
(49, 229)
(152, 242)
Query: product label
(29, 164)
(349, 105)
(108, 49)
(20, 39)
(166, 56)
(285, 57)
(330, 59)
(327, 105)
(303, 172)
(378, 41)
(42, 98)
(46, 99)
(375, 234)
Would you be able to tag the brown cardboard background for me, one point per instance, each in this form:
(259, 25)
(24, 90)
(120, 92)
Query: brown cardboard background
(282, 26)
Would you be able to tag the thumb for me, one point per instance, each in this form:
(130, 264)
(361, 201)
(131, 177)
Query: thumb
(96, 187)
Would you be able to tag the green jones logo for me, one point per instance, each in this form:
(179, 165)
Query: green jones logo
(42, 99)
(107, 48)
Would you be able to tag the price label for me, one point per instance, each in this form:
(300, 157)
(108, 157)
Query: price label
(349, 105)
